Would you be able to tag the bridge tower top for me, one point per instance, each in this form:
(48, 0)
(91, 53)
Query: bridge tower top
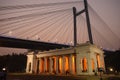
(75, 14)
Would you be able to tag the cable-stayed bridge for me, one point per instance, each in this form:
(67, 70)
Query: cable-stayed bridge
(53, 23)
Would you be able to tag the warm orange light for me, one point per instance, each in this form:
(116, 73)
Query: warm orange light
(42, 65)
(102, 64)
(73, 64)
(84, 64)
(98, 60)
(60, 64)
(66, 64)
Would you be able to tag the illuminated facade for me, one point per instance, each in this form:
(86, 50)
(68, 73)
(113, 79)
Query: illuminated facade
(85, 59)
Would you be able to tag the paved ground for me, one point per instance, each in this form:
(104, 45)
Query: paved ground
(57, 77)
(41, 77)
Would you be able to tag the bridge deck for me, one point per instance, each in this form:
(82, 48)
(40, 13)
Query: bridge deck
(28, 44)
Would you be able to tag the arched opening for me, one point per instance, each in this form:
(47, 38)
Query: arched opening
(81, 66)
(29, 68)
(54, 64)
(60, 64)
(84, 64)
(42, 65)
(66, 64)
(93, 65)
(98, 60)
(37, 66)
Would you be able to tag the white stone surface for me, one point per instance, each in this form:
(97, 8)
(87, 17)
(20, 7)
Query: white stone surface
(85, 50)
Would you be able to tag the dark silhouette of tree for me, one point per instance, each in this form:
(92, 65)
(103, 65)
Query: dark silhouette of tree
(112, 59)
(14, 62)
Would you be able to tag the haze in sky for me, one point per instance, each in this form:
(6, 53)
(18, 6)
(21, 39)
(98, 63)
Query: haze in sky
(104, 16)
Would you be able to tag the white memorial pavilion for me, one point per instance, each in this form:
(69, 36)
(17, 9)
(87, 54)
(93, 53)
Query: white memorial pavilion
(84, 59)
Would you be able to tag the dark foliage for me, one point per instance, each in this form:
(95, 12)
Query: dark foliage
(13, 63)
(112, 59)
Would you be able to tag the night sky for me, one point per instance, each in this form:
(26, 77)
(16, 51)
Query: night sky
(104, 16)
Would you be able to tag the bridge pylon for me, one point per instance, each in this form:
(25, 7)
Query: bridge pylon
(75, 14)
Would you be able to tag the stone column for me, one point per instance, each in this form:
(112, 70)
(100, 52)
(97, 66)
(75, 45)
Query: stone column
(63, 64)
(95, 60)
(89, 63)
(103, 63)
(70, 64)
(77, 64)
(51, 65)
(27, 66)
(34, 64)
(39, 66)
(56, 65)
